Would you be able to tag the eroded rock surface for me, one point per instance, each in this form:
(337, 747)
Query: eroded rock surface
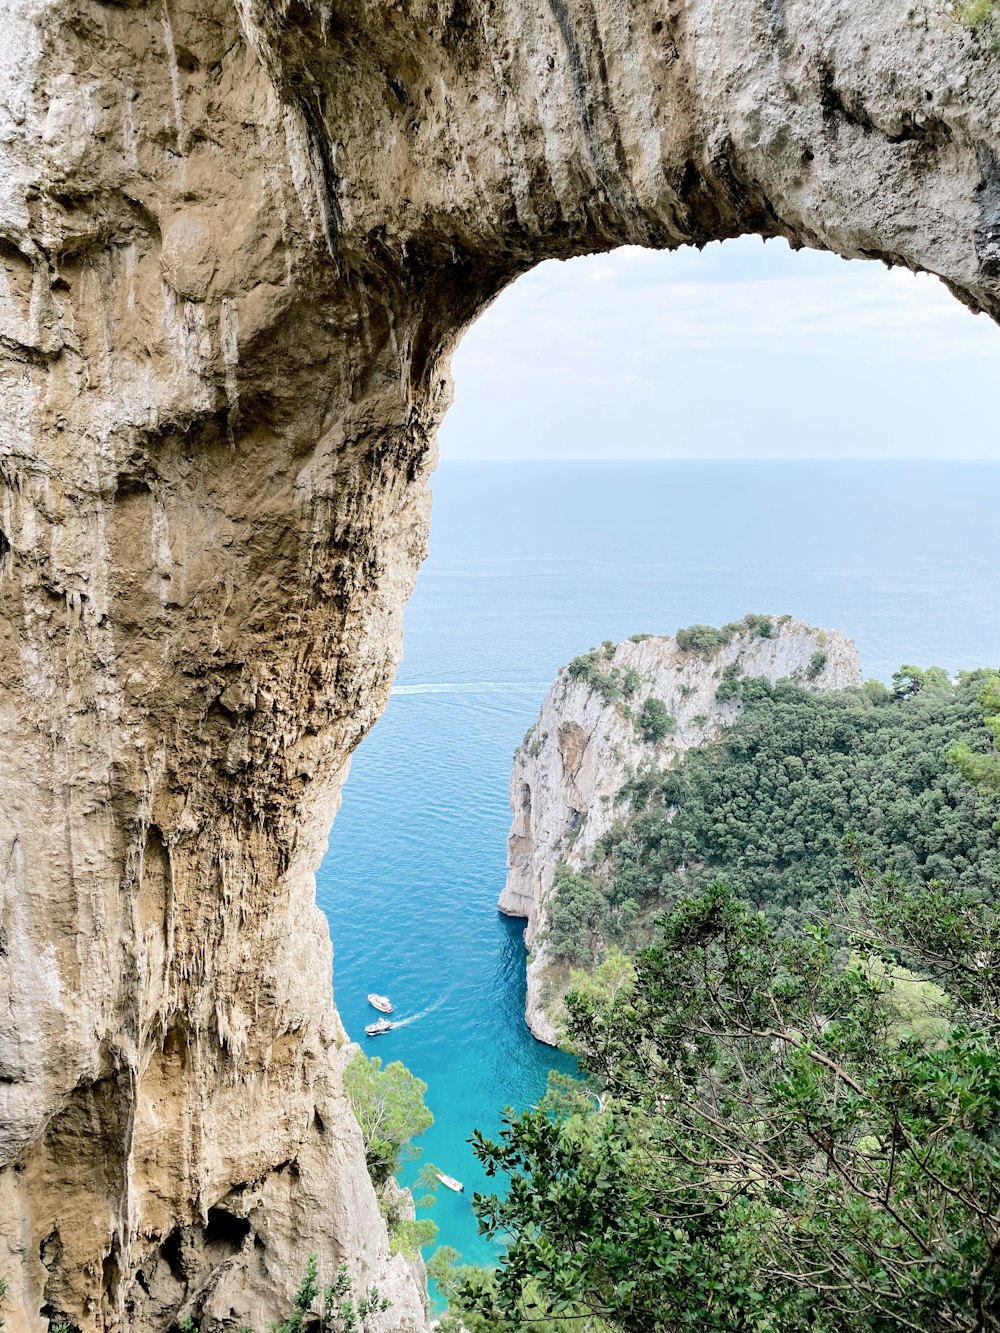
(238, 241)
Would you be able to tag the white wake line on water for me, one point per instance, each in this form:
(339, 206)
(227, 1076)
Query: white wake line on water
(474, 687)
(405, 1022)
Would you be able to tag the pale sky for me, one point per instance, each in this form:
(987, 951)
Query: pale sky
(741, 350)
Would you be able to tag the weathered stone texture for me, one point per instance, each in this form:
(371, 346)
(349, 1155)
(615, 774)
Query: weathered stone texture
(238, 242)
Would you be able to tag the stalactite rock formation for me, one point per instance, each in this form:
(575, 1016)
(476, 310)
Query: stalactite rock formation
(239, 240)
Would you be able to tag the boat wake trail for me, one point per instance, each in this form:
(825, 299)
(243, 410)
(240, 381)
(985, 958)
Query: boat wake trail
(405, 1022)
(473, 687)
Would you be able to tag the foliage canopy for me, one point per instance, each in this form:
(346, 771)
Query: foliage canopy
(389, 1106)
(768, 807)
(770, 1151)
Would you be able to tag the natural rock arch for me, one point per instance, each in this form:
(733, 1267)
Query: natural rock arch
(239, 242)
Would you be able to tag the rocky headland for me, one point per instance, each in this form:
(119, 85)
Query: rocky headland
(597, 731)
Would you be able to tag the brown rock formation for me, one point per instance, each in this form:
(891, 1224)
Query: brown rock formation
(239, 241)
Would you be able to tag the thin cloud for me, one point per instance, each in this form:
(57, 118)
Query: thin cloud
(728, 348)
(637, 301)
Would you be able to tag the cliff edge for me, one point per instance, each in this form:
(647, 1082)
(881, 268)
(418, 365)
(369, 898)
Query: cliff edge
(598, 729)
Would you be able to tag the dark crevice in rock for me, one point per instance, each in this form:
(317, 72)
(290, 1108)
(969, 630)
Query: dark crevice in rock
(51, 1250)
(930, 131)
(324, 173)
(56, 1317)
(111, 1270)
(172, 1253)
(835, 108)
(225, 1230)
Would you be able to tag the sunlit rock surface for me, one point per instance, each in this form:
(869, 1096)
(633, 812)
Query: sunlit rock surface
(239, 242)
(584, 747)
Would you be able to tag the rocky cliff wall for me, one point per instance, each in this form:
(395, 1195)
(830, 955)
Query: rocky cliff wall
(584, 747)
(238, 241)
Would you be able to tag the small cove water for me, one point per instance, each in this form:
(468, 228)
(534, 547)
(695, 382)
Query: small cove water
(530, 564)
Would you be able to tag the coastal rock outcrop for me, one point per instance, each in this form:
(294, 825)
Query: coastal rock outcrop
(589, 741)
(239, 240)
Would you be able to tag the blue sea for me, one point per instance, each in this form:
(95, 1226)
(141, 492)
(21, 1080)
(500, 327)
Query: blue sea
(531, 563)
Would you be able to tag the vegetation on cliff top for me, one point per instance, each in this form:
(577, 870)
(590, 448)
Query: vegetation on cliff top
(768, 807)
(707, 639)
(598, 671)
(614, 684)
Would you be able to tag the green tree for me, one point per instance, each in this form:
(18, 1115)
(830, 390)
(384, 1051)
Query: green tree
(771, 1154)
(455, 1281)
(769, 805)
(983, 769)
(910, 680)
(335, 1310)
(703, 639)
(654, 722)
(817, 663)
(611, 976)
(389, 1106)
(339, 1311)
(577, 909)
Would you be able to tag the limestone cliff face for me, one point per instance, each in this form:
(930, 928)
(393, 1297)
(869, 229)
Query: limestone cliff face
(584, 747)
(238, 241)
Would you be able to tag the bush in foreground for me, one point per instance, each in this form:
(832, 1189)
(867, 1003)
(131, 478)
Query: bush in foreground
(772, 1152)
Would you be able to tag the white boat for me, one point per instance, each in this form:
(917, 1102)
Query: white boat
(376, 1029)
(380, 1002)
(451, 1183)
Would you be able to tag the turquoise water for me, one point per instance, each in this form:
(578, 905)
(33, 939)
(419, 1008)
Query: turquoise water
(530, 564)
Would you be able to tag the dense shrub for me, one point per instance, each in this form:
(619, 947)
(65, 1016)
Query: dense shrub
(762, 626)
(389, 1106)
(769, 806)
(654, 722)
(706, 639)
(702, 639)
(817, 663)
(595, 670)
(977, 13)
(764, 1147)
(577, 910)
(598, 671)
(731, 686)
